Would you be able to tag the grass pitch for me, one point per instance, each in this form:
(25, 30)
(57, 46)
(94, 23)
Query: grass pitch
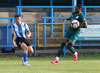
(85, 64)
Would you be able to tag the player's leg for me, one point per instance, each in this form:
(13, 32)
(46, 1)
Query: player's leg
(25, 54)
(70, 46)
(22, 45)
(63, 44)
(30, 50)
(60, 51)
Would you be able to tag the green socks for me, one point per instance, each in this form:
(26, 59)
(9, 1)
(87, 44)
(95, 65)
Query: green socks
(69, 46)
(60, 51)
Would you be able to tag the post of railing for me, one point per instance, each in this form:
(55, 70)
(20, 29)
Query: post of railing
(19, 2)
(74, 3)
(64, 47)
(83, 9)
(52, 14)
(17, 10)
(44, 32)
(34, 39)
(20, 9)
(85, 12)
(12, 20)
(82, 3)
(7, 33)
(64, 28)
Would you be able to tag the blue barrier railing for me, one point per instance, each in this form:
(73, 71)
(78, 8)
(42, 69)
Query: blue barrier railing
(90, 6)
(7, 24)
(67, 17)
(7, 18)
(44, 6)
(85, 7)
(93, 17)
(18, 8)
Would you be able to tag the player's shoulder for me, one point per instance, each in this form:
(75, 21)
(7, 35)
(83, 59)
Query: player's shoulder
(24, 23)
(81, 14)
(83, 17)
(14, 24)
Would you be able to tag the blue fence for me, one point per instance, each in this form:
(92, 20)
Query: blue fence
(4, 33)
(84, 9)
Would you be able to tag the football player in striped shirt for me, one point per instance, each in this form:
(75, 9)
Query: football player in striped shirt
(19, 36)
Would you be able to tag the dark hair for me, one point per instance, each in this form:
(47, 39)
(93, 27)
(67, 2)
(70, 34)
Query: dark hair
(79, 5)
(17, 15)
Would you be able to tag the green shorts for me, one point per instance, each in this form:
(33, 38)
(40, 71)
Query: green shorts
(73, 36)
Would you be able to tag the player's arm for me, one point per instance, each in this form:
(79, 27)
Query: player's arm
(84, 24)
(13, 36)
(67, 19)
(28, 34)
(13, 39)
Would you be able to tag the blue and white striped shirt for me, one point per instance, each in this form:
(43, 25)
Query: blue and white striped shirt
(20, 30)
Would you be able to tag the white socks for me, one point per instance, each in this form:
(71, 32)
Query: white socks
(75, 53)
(57, 58)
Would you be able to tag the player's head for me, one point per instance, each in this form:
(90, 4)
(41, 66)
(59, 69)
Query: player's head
(18, 18)
(78, 8)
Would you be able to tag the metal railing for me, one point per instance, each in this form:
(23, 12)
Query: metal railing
(44, 18)
(44, 33)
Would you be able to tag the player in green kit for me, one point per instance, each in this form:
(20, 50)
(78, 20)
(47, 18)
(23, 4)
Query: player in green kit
(72, 34)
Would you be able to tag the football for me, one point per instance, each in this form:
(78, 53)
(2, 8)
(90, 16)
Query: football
(75, 24)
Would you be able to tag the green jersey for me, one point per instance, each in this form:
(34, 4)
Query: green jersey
(80, 17)
(72, 33)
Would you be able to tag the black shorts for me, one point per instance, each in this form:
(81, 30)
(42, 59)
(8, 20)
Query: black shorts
(20, 40)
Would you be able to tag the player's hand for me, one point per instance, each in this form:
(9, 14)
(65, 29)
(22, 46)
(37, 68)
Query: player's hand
(27, 36)
(14, 43)
(65, 20)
